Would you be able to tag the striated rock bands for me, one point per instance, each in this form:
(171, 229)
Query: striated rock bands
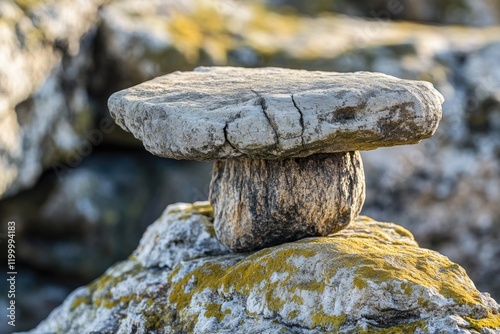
(370, 278)
(269, 113)
(261, 203)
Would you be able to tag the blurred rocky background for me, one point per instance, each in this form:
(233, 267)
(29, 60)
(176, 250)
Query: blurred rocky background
(81, 191)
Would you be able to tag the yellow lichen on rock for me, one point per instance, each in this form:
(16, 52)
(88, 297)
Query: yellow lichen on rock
(369, 278)
(380, 262)
(491, 321)
(376, 254)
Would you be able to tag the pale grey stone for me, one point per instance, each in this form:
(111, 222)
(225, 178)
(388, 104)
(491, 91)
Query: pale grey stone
(183, 232)
(270, 113)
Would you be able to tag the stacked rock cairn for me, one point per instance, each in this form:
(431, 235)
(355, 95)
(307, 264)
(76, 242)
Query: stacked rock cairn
(285, 142)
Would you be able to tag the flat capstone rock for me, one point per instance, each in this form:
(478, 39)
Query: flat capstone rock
(217, 113)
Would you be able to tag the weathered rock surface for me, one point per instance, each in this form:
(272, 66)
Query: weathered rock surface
(166, 243)
(371, 277)
(44, 108)
(268, 113)
(462, 12)
(262, 203)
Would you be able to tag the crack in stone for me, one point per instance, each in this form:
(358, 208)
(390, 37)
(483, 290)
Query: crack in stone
(263, 105)
(227, 139)
(393, 317)
(301, 120)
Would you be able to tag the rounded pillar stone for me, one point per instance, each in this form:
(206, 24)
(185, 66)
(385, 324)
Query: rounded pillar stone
(260, 203)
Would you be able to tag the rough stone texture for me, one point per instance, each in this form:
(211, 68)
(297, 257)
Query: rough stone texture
(371, 277)
(166, 242)
(44, 109)
(268, 113)
(261, 203)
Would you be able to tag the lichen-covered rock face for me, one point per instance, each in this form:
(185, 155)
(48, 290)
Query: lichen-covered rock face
(370, 278)
(44, 108)
(262, 203)
(270, 113)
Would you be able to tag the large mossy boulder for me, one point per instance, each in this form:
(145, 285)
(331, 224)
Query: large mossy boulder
(369, 278)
